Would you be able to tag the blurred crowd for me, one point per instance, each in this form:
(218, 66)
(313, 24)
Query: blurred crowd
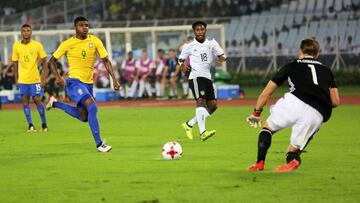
(165, 9)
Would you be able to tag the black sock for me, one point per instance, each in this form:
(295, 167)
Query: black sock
(264, 143)
(291, 156)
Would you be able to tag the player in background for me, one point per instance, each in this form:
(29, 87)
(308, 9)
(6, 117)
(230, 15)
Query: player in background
(202, 53)
(25, 56)
(160, 64)
(313, 94)
(81, 51)
(185, 75)
(172, 70)
(144, 68)
(128, 71)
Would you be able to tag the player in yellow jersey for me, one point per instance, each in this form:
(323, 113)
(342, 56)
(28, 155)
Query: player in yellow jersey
(26, 53)
(81, 51)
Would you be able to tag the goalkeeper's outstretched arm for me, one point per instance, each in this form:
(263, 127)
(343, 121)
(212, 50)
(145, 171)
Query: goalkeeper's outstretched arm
(265, 95)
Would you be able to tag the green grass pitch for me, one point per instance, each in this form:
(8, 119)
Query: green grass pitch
(64, 166)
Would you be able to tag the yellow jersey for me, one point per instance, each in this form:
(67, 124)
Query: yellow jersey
(27, 56)
(81, 55)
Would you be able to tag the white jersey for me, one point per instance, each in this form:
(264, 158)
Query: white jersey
(201, 56)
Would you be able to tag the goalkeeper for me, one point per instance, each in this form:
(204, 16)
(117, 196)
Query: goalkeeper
(313, 94)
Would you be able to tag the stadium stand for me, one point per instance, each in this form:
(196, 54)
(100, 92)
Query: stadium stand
(262, 31)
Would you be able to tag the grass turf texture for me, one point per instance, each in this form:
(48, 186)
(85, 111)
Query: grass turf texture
(63, 165)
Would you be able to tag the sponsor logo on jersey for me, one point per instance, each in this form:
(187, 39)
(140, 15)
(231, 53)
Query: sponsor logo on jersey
(91, 45)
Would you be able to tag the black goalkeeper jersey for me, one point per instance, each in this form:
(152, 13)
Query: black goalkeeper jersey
(309, 81)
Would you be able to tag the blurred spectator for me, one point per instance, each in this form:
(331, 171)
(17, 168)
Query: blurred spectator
(234, 49)
(328, 47)
(51, 87)
(331, 13)
(160, 73)
(1, 74)
(348, 46)
(8, 79)
(144, 68)
(101, 76)
(8, 11)
(172, 71)
(353, 15)
(281, 50)
(114, 10)
(262, 48)
(127, 72)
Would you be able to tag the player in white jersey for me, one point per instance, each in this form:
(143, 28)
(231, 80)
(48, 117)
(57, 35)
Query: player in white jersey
(202, 53)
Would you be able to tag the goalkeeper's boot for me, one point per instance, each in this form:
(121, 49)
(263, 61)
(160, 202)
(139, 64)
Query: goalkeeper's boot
(188, 130)
(104, 147)
(44, 128)
(31, 128)
(207, 134)
(291, 166)
(50, 104)
(257, 166)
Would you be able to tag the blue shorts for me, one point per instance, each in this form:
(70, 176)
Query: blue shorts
(77, 89)
(31, 89)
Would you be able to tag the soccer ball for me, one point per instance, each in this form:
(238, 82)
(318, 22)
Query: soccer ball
(171, 150)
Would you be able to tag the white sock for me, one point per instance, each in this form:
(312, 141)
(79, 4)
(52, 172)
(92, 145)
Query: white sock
(192, 122)
(201, 115)
(141, 88)
(122, 92)
(171, 92)
(148, 89)
(185, 86)
(158, 89)
(127, 91)
(176, 92)
(133, 88)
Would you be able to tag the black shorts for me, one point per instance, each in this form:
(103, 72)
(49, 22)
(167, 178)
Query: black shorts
(202, 88)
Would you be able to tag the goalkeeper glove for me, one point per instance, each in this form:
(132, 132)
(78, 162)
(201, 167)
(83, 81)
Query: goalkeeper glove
(255, 120)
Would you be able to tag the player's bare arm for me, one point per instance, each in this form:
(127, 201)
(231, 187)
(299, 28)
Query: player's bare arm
(334, 96)
(45, 72)
(59, 80)
(255, 119)
(183, 66)
(265, 95)
(110, 70)
(222, 58)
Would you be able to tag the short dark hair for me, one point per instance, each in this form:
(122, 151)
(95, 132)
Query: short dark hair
(310, 46)
(160, 50)
(26, 25)
(78, 19)
(198, 23)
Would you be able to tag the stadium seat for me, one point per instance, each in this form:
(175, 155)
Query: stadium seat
(310, 6)
(319, 7)
(301, 6)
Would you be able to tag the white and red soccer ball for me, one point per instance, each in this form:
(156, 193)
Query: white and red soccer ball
(172, 150)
